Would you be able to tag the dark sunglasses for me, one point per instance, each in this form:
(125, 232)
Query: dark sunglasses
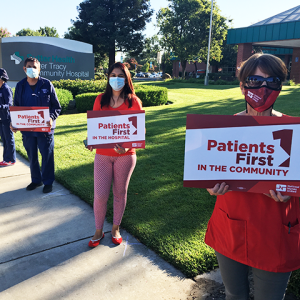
(257, 81)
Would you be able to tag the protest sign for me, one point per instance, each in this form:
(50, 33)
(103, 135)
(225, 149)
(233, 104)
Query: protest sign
(250, 154)
(108, 128)
(26, 118)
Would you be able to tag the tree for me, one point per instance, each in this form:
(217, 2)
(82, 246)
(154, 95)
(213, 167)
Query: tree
(48, 31)
(132, 63)
(145, 67)
(149, 52)
(112, 25)
(184, 27)
(166, 63)
(229, 54)
(28, 32)
(4, 32)
(45, 31)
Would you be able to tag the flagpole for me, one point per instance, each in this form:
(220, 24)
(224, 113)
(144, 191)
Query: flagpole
(209, 39)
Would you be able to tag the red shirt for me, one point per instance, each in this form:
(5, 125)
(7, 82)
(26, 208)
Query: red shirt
(257, 231)
(136, 105)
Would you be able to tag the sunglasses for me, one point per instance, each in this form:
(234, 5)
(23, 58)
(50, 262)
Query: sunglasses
(257, 81)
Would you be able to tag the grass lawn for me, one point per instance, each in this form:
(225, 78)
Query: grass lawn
(161, 213)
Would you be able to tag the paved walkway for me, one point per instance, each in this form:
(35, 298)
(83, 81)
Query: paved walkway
(44, 253)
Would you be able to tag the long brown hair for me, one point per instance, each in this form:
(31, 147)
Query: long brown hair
(128, 89)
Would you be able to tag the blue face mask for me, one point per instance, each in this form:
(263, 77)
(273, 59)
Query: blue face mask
(32, 73)
(117, 83)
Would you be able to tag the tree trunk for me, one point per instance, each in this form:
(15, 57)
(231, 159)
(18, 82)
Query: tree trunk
(183, 66)
(112, 55)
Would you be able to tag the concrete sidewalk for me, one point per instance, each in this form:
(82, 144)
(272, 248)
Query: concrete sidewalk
(44, 251)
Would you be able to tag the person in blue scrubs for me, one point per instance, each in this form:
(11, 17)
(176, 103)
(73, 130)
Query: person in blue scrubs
(37, 91)
(7, 136)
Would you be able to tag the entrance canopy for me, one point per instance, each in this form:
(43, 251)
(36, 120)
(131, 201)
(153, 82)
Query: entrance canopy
(280, 32)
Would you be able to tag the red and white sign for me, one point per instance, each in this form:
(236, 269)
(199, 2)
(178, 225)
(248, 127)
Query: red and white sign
(250, 154)
(108, 128)
(33, 118)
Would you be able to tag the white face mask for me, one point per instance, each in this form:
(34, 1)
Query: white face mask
(117, 83)
(32, 73)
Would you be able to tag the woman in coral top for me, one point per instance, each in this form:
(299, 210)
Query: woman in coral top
(116, 164)
(261, 231)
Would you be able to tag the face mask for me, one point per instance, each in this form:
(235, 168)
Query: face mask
(32, 73)
(261, 98)
(117, 83)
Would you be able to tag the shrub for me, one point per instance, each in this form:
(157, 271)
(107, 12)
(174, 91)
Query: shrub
(222, 76)
(100, 76)
(225, 82)
(85, 102)
(166, 76)
(80, 86)
(149, 95)
(195, 80)
(235, 82)
(145, 67)
(220, 82)
(132, 74)
(293, 286)
(152, 95)
(291, 82)
(64, 97)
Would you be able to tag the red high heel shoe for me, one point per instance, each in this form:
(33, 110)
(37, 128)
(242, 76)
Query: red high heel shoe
(95, 243)
(116, 241)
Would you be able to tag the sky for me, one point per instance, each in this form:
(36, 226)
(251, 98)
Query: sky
(58, 13)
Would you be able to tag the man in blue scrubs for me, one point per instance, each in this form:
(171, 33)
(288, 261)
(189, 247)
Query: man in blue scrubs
(37, 91)
(7, 136)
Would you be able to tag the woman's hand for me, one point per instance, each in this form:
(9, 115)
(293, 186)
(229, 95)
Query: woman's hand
(90, 148)
(278, 197)
(218, 189)
(120, 150)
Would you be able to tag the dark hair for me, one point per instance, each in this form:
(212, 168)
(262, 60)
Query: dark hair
(31, 59)
(267, 63)
(3, 75)
(128, 89)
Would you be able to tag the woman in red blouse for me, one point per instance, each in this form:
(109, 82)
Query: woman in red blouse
(261, 231)
(116, 164)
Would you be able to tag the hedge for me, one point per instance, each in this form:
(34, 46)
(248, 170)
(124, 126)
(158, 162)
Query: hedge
(152, 95)
(149, 95)
(85, 102)
(80, 86)
(64, 97)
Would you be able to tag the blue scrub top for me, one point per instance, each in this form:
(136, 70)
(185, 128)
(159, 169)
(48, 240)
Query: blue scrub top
(6, 100)
(43, 95)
